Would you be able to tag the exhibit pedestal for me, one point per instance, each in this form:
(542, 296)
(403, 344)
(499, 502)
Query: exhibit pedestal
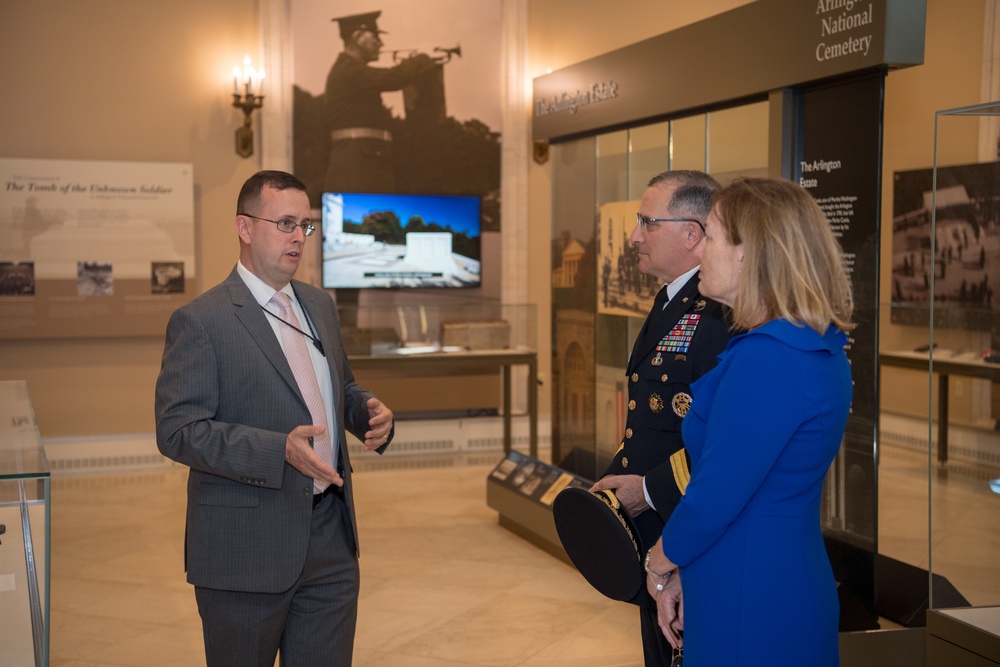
(521, 489)
(969, 636)
(24, 532)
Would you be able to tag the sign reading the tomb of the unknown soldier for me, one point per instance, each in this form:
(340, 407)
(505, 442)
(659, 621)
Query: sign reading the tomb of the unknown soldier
(769, 45)
(93, 249)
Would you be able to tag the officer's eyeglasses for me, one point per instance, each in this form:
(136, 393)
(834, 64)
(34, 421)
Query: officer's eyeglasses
(647, 223)
(287, 225)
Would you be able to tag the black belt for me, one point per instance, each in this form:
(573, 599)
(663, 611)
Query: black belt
(333, 489)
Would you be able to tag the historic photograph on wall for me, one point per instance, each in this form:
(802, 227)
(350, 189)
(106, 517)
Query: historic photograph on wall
(391, 97)
(622, 289)
(964, 262)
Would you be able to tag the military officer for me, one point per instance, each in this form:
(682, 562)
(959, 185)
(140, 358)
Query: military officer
(683, 335)
(360, 139)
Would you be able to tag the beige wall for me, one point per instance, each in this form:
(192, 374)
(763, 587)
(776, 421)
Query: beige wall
(125, 80)
(128, 81)
(949, 78)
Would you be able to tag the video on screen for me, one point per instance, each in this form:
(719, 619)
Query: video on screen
(388, 241)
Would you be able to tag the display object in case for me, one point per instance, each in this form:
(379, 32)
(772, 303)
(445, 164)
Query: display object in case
(24, 524)
(451, 341)
(452, 327)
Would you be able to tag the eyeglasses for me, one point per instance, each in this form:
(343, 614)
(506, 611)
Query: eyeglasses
(644, 221)
(286, 225)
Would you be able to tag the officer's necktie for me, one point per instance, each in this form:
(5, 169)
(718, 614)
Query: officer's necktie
(294, 343)
(651, 328)
(657, 319)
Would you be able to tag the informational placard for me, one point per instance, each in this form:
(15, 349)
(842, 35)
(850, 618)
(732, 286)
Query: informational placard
(839, 163)
(536, 480)
(93, 249)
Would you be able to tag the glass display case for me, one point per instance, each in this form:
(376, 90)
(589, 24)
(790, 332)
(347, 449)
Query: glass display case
(599, 297)
(24, 532)
(442, 328)
(963, 372)
(444, 348)
(940, 383)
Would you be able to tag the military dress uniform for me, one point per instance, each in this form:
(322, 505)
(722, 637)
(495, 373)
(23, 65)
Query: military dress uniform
(677, 345)
(361, 143)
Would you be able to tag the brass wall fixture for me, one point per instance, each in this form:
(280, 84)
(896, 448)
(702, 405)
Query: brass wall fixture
(247, 89)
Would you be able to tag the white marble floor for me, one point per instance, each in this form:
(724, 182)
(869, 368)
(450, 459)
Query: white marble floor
(442, 584)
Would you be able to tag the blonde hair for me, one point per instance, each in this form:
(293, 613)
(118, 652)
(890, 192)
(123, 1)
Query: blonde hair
(793, 266)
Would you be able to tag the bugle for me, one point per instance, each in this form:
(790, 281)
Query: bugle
(444, 54)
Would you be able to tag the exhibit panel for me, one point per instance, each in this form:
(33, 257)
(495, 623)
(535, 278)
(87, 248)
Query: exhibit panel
(837, 159)
(24, 532)
(603, 258)
(573, 304)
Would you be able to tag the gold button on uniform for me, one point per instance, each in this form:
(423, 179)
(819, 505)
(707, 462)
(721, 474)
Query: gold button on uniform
(663, 378)
(631, 405)
(635, 377)
(628, 433)
(624, 461)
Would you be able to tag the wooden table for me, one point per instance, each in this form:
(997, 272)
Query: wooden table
(469, 360)
(944, 364)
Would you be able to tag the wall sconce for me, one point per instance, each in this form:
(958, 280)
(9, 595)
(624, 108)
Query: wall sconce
(247, 86)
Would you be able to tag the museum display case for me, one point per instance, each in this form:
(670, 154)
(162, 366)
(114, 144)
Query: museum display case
(599, 298)
(963, 340)
(24, 532)
(457, 326)
(457, 339)
(940, 380)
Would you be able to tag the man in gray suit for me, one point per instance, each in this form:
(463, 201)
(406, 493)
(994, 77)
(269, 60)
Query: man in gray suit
(271, 542)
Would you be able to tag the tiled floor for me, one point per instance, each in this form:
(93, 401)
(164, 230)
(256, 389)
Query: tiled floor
(442, 584)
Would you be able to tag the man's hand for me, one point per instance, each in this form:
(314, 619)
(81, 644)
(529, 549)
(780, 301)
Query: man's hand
(380, 424)
(628, 488)
(300, 455)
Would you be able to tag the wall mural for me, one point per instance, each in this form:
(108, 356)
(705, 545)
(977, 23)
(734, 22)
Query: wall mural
(389, 97)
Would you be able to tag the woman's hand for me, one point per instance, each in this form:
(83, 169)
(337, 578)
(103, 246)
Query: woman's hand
(664, 585)
(670, 611)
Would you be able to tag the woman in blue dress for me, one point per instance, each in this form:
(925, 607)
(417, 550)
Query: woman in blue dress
(741, 567)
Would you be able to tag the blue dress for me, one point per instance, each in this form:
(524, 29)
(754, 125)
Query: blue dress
(763, 429)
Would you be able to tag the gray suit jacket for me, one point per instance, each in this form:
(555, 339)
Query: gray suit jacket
(225, 401)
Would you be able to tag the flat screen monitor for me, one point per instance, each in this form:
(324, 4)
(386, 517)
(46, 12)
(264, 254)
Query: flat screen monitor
(388, 241)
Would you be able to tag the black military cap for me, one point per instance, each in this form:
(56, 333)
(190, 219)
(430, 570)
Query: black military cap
(348, 24)
(602, 541)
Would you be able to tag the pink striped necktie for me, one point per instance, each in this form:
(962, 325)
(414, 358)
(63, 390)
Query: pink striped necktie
(294, 343)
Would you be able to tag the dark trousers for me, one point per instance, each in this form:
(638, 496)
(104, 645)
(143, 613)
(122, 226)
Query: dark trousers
(312, 623)
(656, 650)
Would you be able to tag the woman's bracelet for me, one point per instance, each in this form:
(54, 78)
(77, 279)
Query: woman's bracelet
(664, 578)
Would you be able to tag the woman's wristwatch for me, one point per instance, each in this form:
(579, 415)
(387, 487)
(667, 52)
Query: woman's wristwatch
(663, 578)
